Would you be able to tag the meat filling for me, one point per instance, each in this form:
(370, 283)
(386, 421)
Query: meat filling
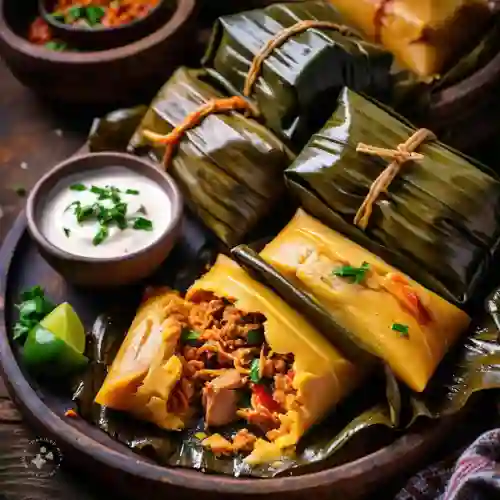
(230, 372)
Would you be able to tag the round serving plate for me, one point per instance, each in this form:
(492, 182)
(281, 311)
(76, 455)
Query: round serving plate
(134, 476)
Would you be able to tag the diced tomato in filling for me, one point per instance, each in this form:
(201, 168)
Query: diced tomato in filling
(265, 399)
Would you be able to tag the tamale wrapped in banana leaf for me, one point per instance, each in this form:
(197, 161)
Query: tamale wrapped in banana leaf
(298, 82)
(260, 347)
(424, 35)
(437, 221)
(408, 326)
(228, 166)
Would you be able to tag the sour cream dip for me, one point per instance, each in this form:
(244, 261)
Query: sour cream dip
(105, 214)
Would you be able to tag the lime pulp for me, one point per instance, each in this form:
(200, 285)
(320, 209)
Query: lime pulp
(65, 324)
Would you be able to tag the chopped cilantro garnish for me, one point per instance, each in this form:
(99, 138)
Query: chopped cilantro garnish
(56, 45)
(189, 336)
(357, 274)
(58, 16)
(33, 308)
(97, 190)
(94, 14)
(143, 224)
(74, 13)
(108, 214)
(101, 235)
(400, 328)
(254, 371)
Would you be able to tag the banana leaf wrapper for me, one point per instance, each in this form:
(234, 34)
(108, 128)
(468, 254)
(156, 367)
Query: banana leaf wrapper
(424, 35)
(439, 220)
(229, 168)
(113, 131)
(300, 80)
(368, 298)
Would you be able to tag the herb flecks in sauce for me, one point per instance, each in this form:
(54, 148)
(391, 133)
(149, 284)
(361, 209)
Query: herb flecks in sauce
(113, 213)
(143, 224)
(356, 274)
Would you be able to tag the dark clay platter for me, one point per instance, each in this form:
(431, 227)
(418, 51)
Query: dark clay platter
(129, 474)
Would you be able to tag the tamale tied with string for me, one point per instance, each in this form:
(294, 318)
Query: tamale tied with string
(292, 60)
(228, 166)
(434, 213)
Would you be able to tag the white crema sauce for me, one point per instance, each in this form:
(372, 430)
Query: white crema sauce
(60, 226)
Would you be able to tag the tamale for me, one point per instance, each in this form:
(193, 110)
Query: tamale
(299, 81)
(439, 219)
(228, 166)
(403, 323)
(473, 367)
(152, 365)
(424, 35)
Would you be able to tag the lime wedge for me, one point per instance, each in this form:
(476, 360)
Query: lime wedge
(47, 355)
(65, 324)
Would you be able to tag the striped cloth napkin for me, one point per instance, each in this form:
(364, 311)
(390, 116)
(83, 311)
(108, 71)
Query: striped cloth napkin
(474, 476)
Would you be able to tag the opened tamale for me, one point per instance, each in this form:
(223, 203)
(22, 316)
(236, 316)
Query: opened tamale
(298, 82)
(155, 363)
(228, 166)
(423, 34)
(439, 219)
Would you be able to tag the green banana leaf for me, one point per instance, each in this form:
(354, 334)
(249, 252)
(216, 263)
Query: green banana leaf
(113, 131)
(439, 221)
(300, 80)
(229, 168)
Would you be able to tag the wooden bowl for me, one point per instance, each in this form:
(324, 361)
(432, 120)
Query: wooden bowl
(100, 38)
(101, 272)
(116, 76)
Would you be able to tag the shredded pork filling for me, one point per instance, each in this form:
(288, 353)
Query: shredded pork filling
(230, 372)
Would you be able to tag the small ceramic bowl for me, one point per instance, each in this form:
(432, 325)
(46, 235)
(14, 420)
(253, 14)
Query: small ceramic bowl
(113, 271)
(106, 38)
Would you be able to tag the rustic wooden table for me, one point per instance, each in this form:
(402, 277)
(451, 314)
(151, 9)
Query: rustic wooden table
(33, 138)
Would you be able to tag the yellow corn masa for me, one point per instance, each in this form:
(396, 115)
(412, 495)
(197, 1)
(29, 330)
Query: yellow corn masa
(309, 254)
